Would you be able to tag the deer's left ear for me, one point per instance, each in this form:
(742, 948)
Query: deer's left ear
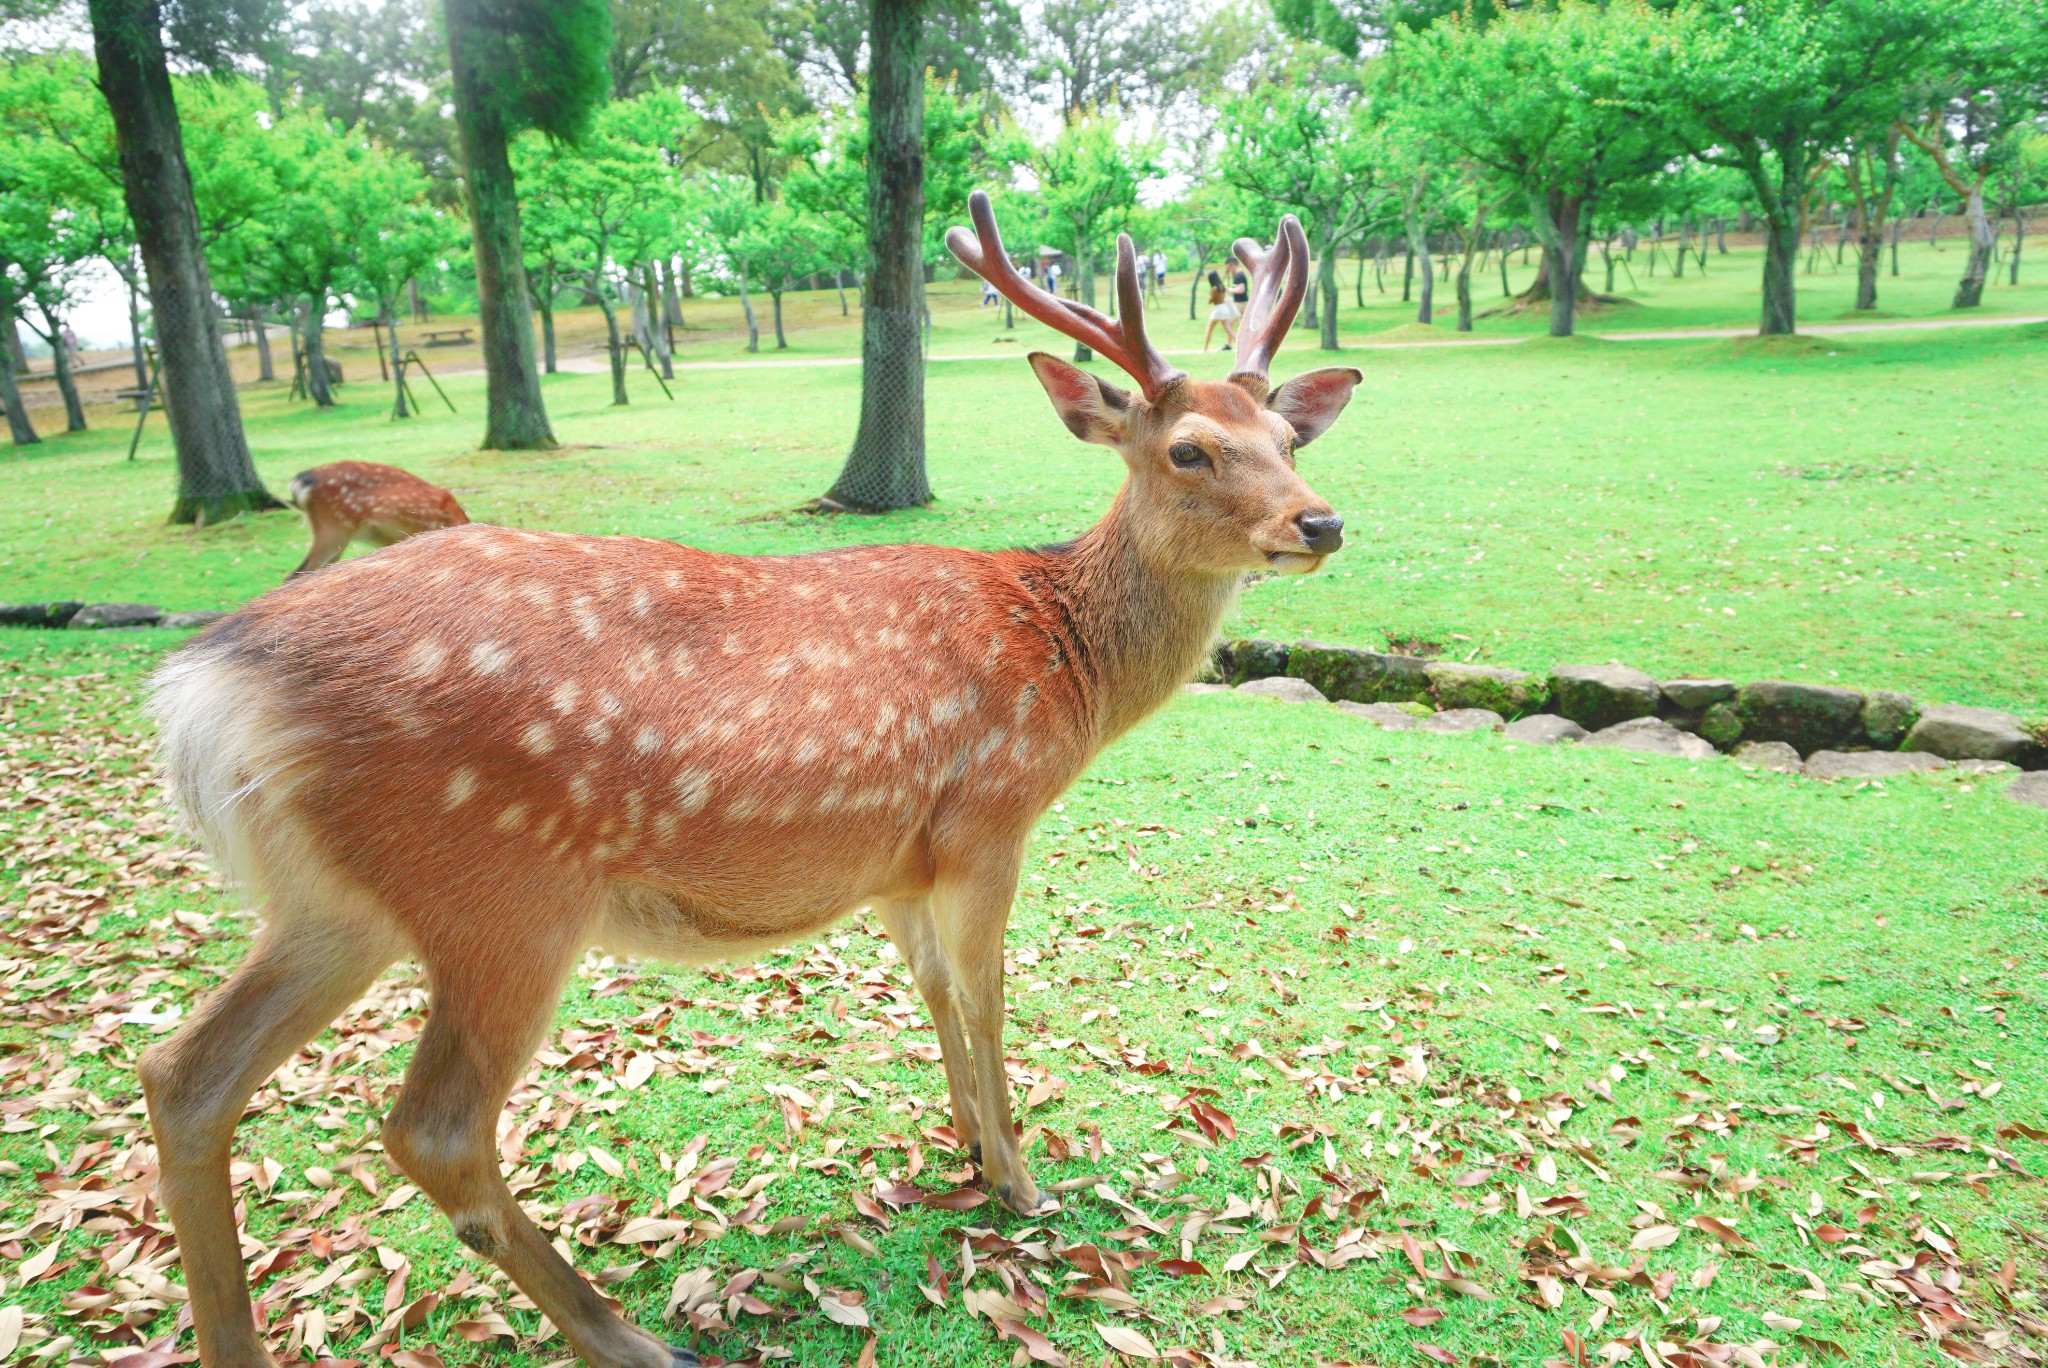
(1093, 410)
(1310, 403)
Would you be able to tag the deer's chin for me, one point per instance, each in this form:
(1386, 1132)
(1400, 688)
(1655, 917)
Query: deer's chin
(1293, 562)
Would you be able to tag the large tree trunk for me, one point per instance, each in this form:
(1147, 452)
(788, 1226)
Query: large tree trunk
(11, 354)
(315, 351)
(516, 419)
(60, 361)
(1983, 237)
(781, 342)
(886, 467)
(216, 477)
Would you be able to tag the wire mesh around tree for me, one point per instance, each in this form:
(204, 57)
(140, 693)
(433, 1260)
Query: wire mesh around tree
(886, 467)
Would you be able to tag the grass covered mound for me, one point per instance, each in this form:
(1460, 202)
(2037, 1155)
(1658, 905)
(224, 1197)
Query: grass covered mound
(1341, 1045)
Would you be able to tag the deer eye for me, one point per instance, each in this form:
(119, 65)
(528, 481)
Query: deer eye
(1187, 456)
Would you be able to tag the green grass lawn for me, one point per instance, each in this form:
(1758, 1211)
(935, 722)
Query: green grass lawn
(1635, 1050)
(1519, 1054)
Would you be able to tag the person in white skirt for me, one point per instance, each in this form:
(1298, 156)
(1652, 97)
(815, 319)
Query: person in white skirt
(1222, 311)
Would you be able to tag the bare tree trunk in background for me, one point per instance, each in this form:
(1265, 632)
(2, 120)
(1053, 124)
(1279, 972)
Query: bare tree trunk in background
(1983, 237)
(216, 477)
(137, 348)
(11, 353)
(315, 351)
(657, 303)
(747, 308)
(671, 307)
(60, 361)
(886, 467)
(414, 304)
(399, 409)
(19, 428)
(616, 344)
(266, 369)
(516, 416)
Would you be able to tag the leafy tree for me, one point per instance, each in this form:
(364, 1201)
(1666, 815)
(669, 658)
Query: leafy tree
(1550, 100)
(1088, 175)
(604, 203)
(1768, 87)
(382, 69)
(1983, 92)
(1309, 148)
(971, 43)
(2019, 185)
(399, 234)
(132, 40)
(1357, 27)
(1870, 173)
(1085, 55)
(517, 64)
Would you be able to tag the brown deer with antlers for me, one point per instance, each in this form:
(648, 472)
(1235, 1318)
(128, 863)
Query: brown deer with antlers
(491, 749)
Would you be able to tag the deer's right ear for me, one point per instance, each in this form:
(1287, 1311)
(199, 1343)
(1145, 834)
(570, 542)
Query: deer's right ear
(1093, 410)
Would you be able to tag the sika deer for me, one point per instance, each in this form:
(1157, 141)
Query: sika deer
(493, 748)
(347, 501)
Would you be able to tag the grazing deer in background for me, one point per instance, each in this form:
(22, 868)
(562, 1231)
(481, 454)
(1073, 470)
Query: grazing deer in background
(493, 748)
(347, 501)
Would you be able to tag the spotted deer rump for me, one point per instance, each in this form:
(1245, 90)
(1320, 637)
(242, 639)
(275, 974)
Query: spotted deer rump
(721, 751)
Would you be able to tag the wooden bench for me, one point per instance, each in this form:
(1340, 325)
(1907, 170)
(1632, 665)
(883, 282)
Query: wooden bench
(448, 337)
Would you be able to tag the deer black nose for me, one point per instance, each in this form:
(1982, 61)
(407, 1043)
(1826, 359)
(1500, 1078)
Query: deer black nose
(1324, 532)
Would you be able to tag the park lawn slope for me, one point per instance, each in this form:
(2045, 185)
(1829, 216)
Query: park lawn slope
(1392, 1040)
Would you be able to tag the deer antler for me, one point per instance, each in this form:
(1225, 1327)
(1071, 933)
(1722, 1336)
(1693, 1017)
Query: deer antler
(1121, 339)
(1270, 312)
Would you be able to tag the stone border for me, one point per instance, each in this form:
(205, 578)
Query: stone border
(1651, 735)
(1686, 716)
(76, 613)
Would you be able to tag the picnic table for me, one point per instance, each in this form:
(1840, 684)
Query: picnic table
(448, 337)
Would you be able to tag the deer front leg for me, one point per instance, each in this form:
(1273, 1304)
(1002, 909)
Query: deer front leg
(909, 924)
(971, 907)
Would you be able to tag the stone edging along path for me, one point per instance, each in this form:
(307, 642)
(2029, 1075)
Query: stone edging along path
(1818, 730)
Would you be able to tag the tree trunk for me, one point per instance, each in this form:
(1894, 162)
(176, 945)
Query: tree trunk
(60, 363)
(1721, 236)
(1408, 275)
(412, 299)
(19, 428)
(657, 303)
(747, 308)
(1418, 234)
(671, 307)
(546, 305)
(1869, 254)
(266, 369)
(399, 408)
(885, 469)
(516, 417)
(1326, 286)
(216, 477)
(1084, 291)
(1781, 258)
(315, 352)
(1898, 231)
(1505, 288)
(775, 296)
(1983, 236)
(616, 344)
(1358, 281)
(2019, 240)
(1678, 257)
(138, 349)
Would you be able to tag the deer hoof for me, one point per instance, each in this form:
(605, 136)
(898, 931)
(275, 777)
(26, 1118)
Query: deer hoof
(680, 1357)
(1027, 1202)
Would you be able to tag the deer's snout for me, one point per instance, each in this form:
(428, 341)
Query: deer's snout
(1323, 533)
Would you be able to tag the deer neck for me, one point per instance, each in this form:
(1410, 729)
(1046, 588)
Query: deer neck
(1142, 628)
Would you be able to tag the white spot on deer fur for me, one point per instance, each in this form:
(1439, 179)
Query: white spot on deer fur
(788, 811)
(547, 826)
(538, 593)
(580, 791)
(681, 661)
(587, 621)
(461, 785)
(643, 602)
(819, 701)
(946, 710)
(665, 825)
(640, 665)
(741, 809)
(425, 659)
(537, 739)
(488, 658)
(693, 790)
(732, 645)
(647, 741)
(608, 703)
(808, 750)
(512, 818)
(598, 730)
(566, 696)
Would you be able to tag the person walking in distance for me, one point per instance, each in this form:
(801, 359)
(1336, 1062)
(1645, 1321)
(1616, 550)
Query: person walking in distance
(1240, 286)
(1222, 311)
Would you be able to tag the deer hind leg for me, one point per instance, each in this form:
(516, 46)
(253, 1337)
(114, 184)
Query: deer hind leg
(329, 541)
(486, 1020)
(296, 980)
(971, 907)
(910, 926)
